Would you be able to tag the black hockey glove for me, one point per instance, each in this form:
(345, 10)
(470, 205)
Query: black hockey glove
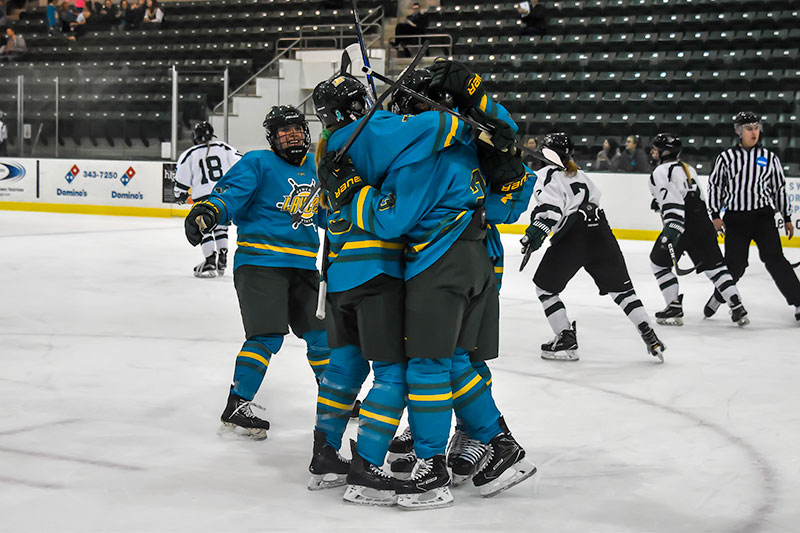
(503, 137)
(504, 171)
(340, 180)
(534, 237)
(654, 206)
(671, 234)
(201, 219)
(458, 80)
(181, 198)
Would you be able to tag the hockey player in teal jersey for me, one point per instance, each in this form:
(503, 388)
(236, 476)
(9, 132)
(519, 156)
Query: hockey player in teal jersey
(275, 272)
(436, 203)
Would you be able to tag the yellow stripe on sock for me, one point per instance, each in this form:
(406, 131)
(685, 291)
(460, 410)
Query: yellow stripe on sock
(255, 356)
(337, 405)
(467, 387)
(318, 363)
(489, 382)
(379, 418)
(430, 397)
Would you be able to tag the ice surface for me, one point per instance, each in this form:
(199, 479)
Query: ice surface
(115, 364)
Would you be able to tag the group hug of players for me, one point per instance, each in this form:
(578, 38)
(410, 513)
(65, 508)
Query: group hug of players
(413, 262)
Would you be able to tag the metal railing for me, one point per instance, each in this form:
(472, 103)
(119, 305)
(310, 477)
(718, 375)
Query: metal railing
(413, 42)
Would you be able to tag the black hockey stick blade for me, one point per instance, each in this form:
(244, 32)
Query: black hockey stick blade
(346, 61)
(684, 271)
(795, 265)
(526, 256)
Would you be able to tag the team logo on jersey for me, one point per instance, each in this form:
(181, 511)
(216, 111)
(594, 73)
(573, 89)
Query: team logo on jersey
(11, 172)
(761, 161)
(294, 201)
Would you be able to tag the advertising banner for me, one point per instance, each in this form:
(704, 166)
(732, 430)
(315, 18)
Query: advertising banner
(17, 180)
(168, 183)
(94, 182)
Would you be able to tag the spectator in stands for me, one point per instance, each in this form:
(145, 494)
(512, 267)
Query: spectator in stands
(530, 161)
(52, 16)
(653, 151)
(78, 28)
(606, 156)
(153, 13)
(135, 15)
(414, 24)
(533, 16)
(3, 16)
(633, 157)
(14, 48)
(107, 15)
(122, 13)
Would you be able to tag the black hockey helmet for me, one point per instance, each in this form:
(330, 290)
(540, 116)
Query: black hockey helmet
(403, 103)
(340, 101)
(202, 133)
(560, 143)
(746, 117)
(668, 145)
(278, 117)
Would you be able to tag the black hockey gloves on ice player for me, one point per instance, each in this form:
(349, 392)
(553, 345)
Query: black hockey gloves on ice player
(671, 233)
(504, 171)
(340, 180)
(201, 219)
(458, 80)
(534, 237)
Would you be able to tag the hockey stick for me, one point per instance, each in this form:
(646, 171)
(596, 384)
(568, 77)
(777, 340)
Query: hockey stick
(362, 123)
(684, 271)
(363, 50)
(551, 158)
(795, 265)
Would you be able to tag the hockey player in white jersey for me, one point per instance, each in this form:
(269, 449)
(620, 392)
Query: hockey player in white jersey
(199, 169)
(687, 228)
(567, 204)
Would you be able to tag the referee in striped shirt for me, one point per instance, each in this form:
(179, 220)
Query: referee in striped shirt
(748, 183)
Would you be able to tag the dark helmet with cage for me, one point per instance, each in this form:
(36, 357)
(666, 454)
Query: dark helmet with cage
(403, 103)
(202, 133)
(340, 101)
(560, 143)
(745, 117)
(282, 116)
(668, 145)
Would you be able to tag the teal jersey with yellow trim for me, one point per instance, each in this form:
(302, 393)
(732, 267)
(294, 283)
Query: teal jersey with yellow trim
(430, 202)
(494, 109)
(259, 194)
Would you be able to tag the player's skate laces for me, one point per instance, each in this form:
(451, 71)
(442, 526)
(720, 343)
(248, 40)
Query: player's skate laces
(672, 315)
(428, 487)
(208, 268)
(654, 346)
(239, 419)
(471, 458)
(564, 347)
(403, 465)
(456, 446)
(506, 466)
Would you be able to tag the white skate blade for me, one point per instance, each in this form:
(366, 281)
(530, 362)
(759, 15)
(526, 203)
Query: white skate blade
(432, 499)
(360, 495)
(326, 481)
(743, 322)
(517, 473)
(659, 354)
(251, 433)
(676, 321)
(563, 355)
(206, 274)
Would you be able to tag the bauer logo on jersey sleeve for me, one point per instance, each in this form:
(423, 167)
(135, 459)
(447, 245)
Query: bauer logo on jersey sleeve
(294, 201)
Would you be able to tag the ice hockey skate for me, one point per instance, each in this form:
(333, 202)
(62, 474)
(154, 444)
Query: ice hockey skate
(738, 312)
(328, 468)
(564, 347)
(654, 346)
(238, 418)
(672, 315)
(428, 487)
(505, 468)
(401, 445)
(713, 304)
(208, 268)
(402, 465)
(465, 457)
(368, 484)
(222, 261)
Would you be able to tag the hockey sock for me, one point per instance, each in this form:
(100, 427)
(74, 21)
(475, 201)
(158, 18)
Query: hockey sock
(252, 362)
(430, 404)
(318, 352)
(381, 411)
(632, 305)
(343, 378)
(221, 237)
(207, 245)
(724, 283)
(483, 369)
(472, 400)
(667, 282)
(554, 310)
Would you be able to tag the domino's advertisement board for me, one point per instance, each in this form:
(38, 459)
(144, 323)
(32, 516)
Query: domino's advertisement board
(17, 179)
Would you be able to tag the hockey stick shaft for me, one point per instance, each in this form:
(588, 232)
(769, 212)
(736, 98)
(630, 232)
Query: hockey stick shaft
(363, 48)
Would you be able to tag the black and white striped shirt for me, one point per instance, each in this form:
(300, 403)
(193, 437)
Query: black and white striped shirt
(746, 180)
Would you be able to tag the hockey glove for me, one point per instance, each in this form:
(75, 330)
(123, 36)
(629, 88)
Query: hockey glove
(458, 80)
(504, 171)
(654, 206)
(340, 180)
(671, 234)
(201, 219)
(503, 137)
(181, 198)
(534, 237)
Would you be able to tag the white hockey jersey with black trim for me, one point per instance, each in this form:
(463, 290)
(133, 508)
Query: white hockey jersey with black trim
(558, 196)
(201, 166)
(669, 184)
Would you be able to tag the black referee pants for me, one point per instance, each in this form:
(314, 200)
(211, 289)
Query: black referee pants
(743, 226)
